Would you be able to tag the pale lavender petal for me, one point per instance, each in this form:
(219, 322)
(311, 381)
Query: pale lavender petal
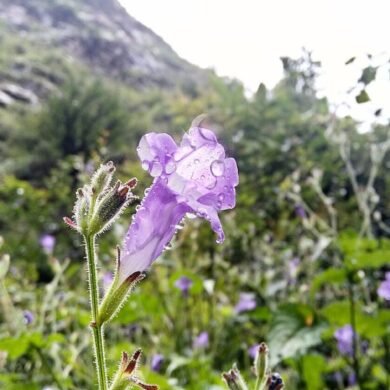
(184, 284)
(28, 317)
(192, 178)
(252, 351)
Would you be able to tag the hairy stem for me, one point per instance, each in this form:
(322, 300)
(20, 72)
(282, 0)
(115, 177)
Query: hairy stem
(97, 329)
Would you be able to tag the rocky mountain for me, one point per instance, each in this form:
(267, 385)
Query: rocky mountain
(43, 40)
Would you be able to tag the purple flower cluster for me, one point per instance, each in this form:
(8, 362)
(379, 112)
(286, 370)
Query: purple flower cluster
(384, 288)
(194, 177)
(344, 337)
(246, 302)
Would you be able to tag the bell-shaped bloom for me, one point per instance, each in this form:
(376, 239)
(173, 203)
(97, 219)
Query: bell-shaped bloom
(194, 178)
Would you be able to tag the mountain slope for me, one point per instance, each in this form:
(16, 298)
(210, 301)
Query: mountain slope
(41, 40)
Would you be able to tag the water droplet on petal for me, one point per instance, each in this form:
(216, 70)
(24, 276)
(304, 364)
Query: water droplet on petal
(138, 207)
(221, 197)
(156, 169)
(217, 168)
(196, 161)
(170, 167)
(145, 165)
(168, 247)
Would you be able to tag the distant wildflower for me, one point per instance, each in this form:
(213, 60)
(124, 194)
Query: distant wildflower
(351, 379)
(47, 242)
(201, 341)
(300, 211)
(28, 317)
(184, 284)
(156, 362)
(194, 177)
(252, 351)
(384, 288)
(344, 337)
(247, 302)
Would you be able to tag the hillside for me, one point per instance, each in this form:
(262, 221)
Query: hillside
(42, 40)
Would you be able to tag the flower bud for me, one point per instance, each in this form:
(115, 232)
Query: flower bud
(126, 374)
(234, 380)
(261, 361)
(102, 178)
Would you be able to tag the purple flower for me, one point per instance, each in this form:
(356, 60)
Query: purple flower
(344, 337)
(28, 317)
(156, 362)
(47, 242)
(194, 177)
(201, 341)
(300, 211)
(351, 379)
(247, 302)
(252, 351)
(184, 284)
(384, 288)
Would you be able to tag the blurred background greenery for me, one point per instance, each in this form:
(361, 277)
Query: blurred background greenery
(307, 251)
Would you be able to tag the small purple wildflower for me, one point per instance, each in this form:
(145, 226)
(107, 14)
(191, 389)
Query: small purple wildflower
(47, 242)
(156, 362)
(184, 284)
(194, 177)
(344, 337)
(384, 288)
(252, 351)
(247, 302)
(300, 211)
(28, 317)
(201, 341)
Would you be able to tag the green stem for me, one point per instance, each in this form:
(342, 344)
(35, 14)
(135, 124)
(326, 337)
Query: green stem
(97, 329)
(352, 308)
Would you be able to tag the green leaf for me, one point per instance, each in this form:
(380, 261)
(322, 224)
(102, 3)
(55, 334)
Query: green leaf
(329, 276)
(294, 329)
(352, 59)
(313, 366)
(362, 97)
(15, 347)
(368, 75)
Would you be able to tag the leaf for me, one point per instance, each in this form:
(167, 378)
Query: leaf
(313, 367)
(294, 329)
(368, 75)
(15, 347)
(329, 276)
(362, 97)
(352, 59)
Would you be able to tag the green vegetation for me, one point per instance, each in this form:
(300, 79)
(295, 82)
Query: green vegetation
(309, 238)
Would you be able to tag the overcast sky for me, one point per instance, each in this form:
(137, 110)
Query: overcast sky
(245, 38)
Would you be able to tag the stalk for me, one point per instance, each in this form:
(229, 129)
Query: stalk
(97, 329)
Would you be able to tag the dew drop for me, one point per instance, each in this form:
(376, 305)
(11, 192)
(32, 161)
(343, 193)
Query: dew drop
(168, 247)
(170, 167)
(221, 197)
(196, 161)
(145, 165)
(217, 168)
(138, 207)
(156, 169)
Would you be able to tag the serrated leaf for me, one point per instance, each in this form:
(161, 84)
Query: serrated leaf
(294, 329)
(362, 97)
